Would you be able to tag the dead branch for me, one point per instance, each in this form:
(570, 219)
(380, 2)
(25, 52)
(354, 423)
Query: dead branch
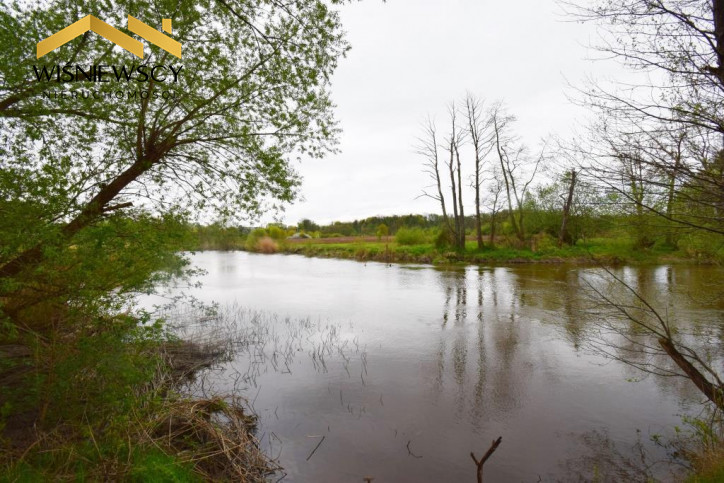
(488, 454)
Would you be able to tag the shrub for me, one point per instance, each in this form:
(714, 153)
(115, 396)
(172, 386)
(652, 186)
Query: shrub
(702, 246)
(543, 242)
(443, 239)
(276, 233)
(253, 238)
(410, 236)
(266, 245)
(382, 230)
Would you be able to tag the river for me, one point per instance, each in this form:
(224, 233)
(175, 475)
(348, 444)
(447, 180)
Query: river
(400, 371)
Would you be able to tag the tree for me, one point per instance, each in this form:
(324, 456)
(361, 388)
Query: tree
(429, 148)
(482, 140)
(495, 189)
(382, 231)
(252, 94)
(564, 236)
(513, 160)
(307, 226)
(673, 116)
(667, 134)
(453, 142)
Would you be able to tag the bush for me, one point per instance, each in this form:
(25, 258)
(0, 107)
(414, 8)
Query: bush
(702, 246)
(443, 239)
(382, 230)
(276, 233)
(410, 236)
(253, 239)
(543, 242)
(266, 245)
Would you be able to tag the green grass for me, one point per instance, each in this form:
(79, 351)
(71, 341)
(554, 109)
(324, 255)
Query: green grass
(617, 250)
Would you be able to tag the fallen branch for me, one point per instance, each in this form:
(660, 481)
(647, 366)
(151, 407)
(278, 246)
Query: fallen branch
(316, 447)
(485, 457)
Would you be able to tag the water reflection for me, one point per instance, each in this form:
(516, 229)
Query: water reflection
(452, 358)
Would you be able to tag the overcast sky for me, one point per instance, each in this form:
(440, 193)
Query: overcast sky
(410, 58)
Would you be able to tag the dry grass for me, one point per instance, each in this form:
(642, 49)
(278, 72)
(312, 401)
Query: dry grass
(709, 467)
(185, 358)
(215, 436)
(266, 245)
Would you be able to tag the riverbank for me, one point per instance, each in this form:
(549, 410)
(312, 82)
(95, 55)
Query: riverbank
(609, 251)
(145, 426)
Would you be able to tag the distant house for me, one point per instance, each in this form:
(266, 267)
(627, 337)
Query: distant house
(299, 236)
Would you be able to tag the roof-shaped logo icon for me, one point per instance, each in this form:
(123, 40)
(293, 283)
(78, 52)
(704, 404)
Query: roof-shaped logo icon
(89, 22)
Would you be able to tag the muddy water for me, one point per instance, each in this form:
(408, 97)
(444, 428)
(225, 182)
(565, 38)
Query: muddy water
(402, 371)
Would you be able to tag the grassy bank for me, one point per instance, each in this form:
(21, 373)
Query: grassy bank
(115, 411)
(602, 249)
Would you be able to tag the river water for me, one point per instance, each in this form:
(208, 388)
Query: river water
(400, 371)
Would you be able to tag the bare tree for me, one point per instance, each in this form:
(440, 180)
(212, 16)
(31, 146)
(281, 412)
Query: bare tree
(495, 190)
(513, 159)
(482, 139)
(428, 148)
(673, 116)
(666, 134)
(564, 235)
(454, 141)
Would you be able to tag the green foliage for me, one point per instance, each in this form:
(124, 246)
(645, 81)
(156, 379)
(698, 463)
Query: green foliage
(702, 246)
(543, 243)
(382, 231)
(443, 239)
(95, 194)
(253, 238)
(410, 236)
(307, 226)
(218, 237)
(198, 151)
(276, 233)
(154, 466)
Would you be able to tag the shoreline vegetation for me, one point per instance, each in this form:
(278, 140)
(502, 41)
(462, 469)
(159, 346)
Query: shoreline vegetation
(590, 239)
(161, 429)
(609, 251)
(583, 253)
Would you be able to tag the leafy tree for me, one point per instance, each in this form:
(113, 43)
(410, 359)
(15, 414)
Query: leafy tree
(252, 95)
(98, 180)
(307, 226)
(382, 231)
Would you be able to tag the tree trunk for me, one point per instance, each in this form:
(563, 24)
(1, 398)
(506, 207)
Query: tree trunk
(501, 156)
(563, 235)
(718, 11)
(461, 234)
(456, 234)
(478, 226)
(90, 212)
(712, 392)
(671, 195)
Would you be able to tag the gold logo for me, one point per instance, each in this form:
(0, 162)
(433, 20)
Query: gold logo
(89, 22)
